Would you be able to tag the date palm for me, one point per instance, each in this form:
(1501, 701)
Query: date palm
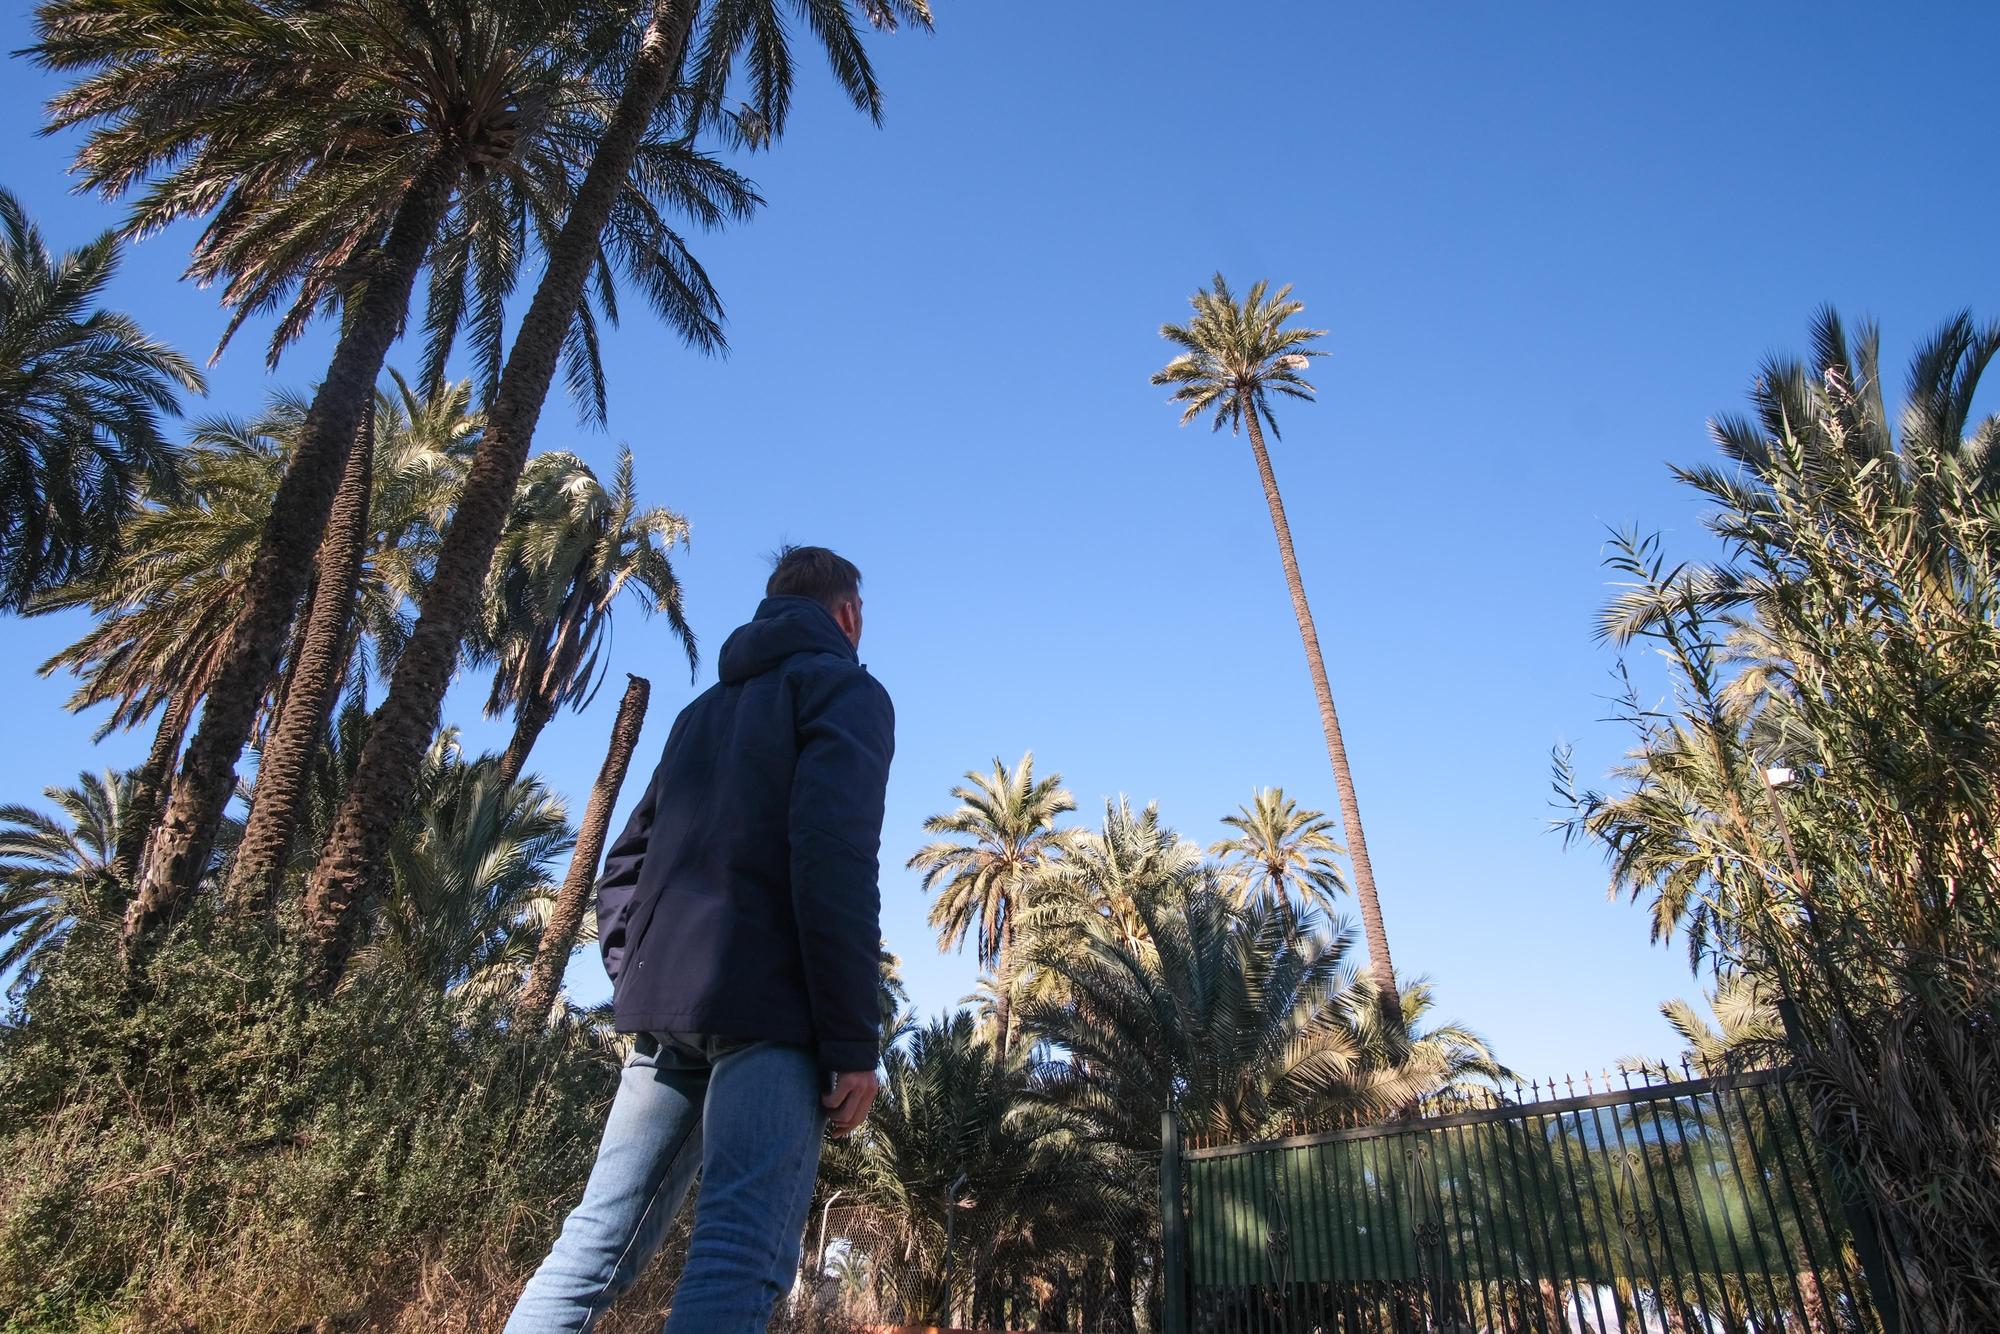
(573, 545)
(82, 394)
(56, 870)
(996, 844)
(1246, 1020)
(752, 31)
(963, 1176)
(1281, 854)
(1098, 885)
(470, 875)
(1236, 355)
(59, 872)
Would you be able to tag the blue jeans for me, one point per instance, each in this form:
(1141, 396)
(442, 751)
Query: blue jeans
(748, 1116)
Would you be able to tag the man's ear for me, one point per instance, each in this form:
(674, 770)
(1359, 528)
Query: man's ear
(848, 616)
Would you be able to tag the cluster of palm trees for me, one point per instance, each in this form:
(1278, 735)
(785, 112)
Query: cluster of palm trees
(165, 600)
(1009, 1175)
(386, 165)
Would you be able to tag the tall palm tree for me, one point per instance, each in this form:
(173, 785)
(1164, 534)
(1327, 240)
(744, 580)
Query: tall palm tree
(1002, 837)
(1281, 854)
(538, 995)
(1235, 356)
(82, 392)
(753, 30)
(336, 142)
(571, 547)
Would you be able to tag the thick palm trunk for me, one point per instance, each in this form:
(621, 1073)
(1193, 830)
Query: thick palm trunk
(538, 997)
(530, 717)
(295, 738)
(180, 849)
(142, 803)
(1379, 965)
(402, 727)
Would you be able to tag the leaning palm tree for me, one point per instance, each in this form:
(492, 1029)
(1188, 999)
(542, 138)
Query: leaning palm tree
(1002, 837)
(571, 547)
(82, 392)
(752, 31)
(1281, 854)
(1236, 354)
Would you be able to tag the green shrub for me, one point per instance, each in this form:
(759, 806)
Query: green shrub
(216, 1153)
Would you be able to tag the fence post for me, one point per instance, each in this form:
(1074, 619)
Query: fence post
(1173, 1227)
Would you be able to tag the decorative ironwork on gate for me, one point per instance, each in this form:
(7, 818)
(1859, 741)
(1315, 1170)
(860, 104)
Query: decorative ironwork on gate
(1659, 1203)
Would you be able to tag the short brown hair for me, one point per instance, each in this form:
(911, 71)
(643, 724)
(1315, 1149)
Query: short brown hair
(813, 572)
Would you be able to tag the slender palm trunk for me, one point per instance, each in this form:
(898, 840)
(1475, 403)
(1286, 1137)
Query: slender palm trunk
(180, 849)
(1003, 991)
(538, 997)
(142, 804)
(402, 727)
(295, 738)
(1379, 965)
(531, 715)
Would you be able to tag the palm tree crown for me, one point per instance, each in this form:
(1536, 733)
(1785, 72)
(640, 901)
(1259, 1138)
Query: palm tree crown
(571, 547)
(82, 392)
(1281, 853)
(1238, 353)
(1009, 818)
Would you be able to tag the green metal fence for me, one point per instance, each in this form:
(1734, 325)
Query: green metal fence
(1657, 1204)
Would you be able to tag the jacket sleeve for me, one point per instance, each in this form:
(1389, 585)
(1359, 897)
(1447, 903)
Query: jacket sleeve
(846, 733)
(618, 887)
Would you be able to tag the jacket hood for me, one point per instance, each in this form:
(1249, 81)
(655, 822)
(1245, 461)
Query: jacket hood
(783, 626)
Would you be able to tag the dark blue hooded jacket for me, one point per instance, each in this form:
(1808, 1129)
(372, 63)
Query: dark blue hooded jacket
(741, 900)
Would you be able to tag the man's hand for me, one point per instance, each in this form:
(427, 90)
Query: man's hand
(848, 1103)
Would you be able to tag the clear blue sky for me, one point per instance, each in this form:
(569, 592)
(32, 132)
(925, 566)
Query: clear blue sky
(1548, 242)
